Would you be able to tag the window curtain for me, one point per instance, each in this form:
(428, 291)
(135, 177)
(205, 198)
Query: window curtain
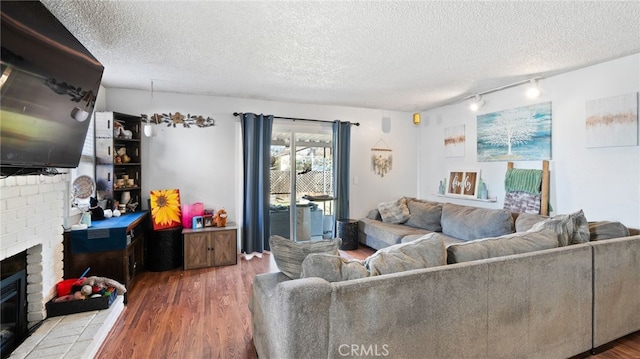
(341, 149)
(256, 148)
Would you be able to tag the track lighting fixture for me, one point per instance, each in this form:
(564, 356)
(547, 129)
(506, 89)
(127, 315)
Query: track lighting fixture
(533, 91)
(476, 103)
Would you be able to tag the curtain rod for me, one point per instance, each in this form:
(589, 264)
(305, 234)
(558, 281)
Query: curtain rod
(299, 119)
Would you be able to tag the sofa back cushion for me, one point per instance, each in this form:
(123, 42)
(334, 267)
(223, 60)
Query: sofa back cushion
(425, 215)
(607, 229)
(427, 251)
(469, 223)
(515, 243)
(289, 255)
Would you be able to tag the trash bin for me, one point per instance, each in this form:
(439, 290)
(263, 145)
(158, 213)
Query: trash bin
(164, 249)
(347, 229)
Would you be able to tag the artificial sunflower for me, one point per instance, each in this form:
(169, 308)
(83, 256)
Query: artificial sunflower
(165, 208)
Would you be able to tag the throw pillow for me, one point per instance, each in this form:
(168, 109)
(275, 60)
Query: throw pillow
(561, 224)
(571, 228)
(332, 268)
(289, 255)
(515, 243)
(395, 211)
(424, 252)
(425, 215)
(607, 230)
(580, 228)
(525, 221)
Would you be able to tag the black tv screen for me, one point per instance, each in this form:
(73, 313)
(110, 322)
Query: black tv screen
(48, 86)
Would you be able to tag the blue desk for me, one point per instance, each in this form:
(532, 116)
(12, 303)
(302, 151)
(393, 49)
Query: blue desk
(107, 234)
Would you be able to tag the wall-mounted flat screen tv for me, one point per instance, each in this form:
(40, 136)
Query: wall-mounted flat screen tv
(48, 86)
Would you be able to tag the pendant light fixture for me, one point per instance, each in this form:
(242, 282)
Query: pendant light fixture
(416, 118)
(148, 128)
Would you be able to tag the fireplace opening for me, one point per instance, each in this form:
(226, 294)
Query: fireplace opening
(13, 303)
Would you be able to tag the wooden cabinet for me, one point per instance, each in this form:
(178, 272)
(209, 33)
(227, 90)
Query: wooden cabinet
(118, 157)
(210, 247)
(112, 248)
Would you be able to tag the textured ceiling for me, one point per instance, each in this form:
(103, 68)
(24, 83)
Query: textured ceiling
(394, 55)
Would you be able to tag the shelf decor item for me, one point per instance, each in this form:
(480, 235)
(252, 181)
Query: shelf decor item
(463, 183)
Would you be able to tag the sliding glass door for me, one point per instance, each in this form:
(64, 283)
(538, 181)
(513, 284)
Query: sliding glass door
(301, 181)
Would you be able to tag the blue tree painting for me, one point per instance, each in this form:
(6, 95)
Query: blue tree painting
(519, 134)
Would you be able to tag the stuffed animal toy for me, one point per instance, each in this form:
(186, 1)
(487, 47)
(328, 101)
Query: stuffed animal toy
(97, 213)
(220, 219)
(102, 282)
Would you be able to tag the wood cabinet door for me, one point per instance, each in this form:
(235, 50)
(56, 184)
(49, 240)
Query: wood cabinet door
(224, 244)
(196, 250)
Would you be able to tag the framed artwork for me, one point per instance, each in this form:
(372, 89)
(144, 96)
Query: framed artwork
(612, 121)
(198, 222)
(454, 141)
(519, 134)
(463, 183)
(208, 220)
(165, 209)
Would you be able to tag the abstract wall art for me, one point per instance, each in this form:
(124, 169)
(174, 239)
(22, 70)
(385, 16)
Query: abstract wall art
(612, 121)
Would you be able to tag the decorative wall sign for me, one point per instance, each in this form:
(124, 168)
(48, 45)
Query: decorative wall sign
(463, 183)
(612, 121)
(381, 159)
(521, 134)
(454, 141)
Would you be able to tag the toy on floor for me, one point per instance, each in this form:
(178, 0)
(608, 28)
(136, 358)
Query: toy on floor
(91, 287)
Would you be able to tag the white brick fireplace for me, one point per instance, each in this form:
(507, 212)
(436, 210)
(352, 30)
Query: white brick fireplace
(32, 211)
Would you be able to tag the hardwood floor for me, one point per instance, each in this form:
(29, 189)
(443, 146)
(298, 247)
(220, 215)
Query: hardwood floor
(203, 313)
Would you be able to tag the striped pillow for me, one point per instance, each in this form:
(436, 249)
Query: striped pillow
(395, 211)
(289, 255)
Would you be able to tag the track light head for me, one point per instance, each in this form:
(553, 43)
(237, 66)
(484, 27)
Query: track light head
(476, 103)
(533, 91)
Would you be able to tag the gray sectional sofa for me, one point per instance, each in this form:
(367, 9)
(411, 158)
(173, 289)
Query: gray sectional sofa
(517, 295)
(455, 223)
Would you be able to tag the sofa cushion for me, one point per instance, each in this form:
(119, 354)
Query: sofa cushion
(388, 233)
(332, 268)
(468, 223)
(607, 230)
(427, 251)
(525, 221)
(394, 211)
(289, 255)
(425, 215)
(515, 243)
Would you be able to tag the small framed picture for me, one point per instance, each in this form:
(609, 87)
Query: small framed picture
(463, 183)
(208, 220)
(198, 222)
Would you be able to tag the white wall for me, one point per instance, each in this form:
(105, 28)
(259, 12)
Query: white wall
(204, 163)
(604, 182)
